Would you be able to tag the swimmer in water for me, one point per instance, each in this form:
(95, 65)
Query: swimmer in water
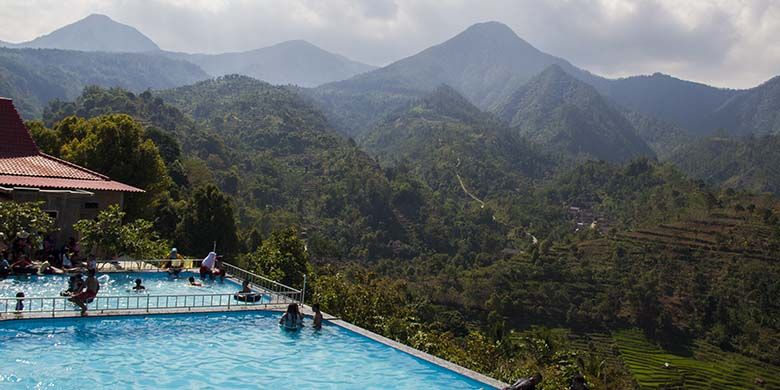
(193, 283)
(138, 286)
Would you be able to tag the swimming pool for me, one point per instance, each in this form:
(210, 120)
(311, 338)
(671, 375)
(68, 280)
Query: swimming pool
(217, 350)
(118, 284)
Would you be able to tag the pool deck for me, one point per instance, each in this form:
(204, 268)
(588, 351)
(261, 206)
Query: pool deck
(277, 307)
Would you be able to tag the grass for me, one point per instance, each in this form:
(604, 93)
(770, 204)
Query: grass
(704, 367)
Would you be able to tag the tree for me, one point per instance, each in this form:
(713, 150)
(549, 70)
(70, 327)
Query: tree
(26, 216)
(108, 236)
(209, 218)
(116, 146)
(281, 257)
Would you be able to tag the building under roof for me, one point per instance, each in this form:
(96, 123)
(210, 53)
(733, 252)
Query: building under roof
(69, 192)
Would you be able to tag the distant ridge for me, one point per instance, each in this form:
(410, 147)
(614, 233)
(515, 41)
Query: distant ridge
(292, 62)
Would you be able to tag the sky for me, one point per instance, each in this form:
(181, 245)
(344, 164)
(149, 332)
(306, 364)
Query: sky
(726, 43)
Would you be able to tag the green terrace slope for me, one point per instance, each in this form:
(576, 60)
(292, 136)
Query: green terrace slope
(699, 366)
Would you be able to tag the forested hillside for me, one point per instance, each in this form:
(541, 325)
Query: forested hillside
(444, 137)
(749, 163)
(567, 116)
(34, 77)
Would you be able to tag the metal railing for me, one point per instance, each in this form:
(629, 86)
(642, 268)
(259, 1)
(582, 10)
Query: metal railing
(272, 293)
(263, 283)
(145, 265)
(138, 302)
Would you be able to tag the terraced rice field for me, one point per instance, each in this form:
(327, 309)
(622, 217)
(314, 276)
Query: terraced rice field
(707, 368)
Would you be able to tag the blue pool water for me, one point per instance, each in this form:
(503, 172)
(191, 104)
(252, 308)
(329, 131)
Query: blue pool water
(218, 350)
(118, 284)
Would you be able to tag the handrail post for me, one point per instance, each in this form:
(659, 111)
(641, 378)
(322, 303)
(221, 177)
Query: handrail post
(303, 291)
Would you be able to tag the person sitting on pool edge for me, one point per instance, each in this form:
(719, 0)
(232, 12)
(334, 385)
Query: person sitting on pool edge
(138, 286)
(292, 318)
(207, 266)
(193, 283)
(81, 299)
(317, 316)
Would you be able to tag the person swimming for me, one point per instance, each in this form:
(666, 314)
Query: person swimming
(138, 286)
(245, 287)
(292, 318)
(193, 283)
(317, 316)
(19, 301)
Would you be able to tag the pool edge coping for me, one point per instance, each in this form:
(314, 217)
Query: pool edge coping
(446, 364)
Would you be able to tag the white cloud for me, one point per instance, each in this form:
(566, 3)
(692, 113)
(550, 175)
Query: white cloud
(722, 42)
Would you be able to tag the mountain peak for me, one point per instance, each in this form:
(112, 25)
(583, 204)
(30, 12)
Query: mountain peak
(97, 17)
(96, 32)
(445, 100)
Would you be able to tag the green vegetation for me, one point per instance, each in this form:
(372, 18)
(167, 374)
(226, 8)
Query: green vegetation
(568, 116)
(462, 242)
(108, 236)
(748, 164)
(27, 217)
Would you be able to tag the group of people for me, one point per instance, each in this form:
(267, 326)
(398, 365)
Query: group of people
(25, 254)
(80, 291)
(292, 319)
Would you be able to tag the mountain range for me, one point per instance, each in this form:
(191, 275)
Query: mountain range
(566, 110)
(292, 62)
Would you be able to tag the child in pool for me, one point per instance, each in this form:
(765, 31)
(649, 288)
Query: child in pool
(138, 286)
(193, 283)
(19, 301)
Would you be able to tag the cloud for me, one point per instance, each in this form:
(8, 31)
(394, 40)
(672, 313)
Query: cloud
(721, 42)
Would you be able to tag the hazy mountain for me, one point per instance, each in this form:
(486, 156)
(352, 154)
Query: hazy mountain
(751, 163)
(443, 134)
(570, 117)
(33, 77)
(292, 62)
(680, 102)
(485, 63)
(663, 137)
(753, 111)
(94, 33)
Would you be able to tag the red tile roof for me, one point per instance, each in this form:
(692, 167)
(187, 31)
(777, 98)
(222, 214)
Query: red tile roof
(23, 165)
